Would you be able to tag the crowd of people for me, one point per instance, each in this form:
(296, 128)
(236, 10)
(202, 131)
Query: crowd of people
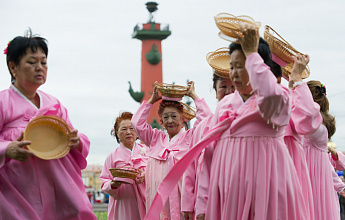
(261, 155)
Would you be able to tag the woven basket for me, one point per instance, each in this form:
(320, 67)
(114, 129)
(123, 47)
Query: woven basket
(124, 172)
(219, 60)
(227, 23)
(189, 112)
(279, 47)
(287, 71)
(49, 136)
(171, 90)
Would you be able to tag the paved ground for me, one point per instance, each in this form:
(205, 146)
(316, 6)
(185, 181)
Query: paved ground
(100, 207)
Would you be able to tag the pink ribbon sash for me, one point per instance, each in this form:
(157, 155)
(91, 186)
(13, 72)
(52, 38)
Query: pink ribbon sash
(171, 99)
(174, 175)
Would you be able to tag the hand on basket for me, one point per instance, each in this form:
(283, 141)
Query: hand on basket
(155, 95)
(191, 90)
(16, 149)
(300, 63)
(74, 141)
(115, 184)
(140, 179)
(249, 39)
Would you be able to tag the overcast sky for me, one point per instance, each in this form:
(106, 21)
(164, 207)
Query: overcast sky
(92, 55)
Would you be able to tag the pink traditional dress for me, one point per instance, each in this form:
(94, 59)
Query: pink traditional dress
(127, 201)
(252, 175)
(163, 154)
(36, 188)
(326, 202)
(305, 119)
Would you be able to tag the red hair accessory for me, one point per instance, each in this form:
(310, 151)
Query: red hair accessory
(5, 51)
(323, 90)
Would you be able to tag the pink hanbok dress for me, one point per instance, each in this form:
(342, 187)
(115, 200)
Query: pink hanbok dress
(326, 202)
(36, 188)
(252, 175)
(127, 201)
(305, 119)
(163, 154)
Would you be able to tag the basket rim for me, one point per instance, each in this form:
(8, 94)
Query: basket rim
(50, 119)
(241, 18)
(286, 71)
(213, 57)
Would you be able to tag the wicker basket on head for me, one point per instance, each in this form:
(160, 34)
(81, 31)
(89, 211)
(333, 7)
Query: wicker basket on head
(171, 90)
(279, 47)
(189, 112)
(287, 71)
(227, 23)
(49, 136)
(219, 60)
(124, 172)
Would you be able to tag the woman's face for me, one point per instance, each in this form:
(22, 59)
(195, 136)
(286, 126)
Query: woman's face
(126, 134)
(31, 72)
(172, 120)
(223, 87)
(238, 73)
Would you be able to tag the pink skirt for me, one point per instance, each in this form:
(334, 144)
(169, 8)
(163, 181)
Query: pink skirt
(254, 179)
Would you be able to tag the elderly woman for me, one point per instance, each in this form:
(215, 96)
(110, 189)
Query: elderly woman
(127, 198)
(251, 173)
(323, 178)
(32, 188)
(166, 148)
(222, 86)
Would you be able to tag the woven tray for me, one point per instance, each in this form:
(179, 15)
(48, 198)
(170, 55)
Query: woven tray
(227, 23)
(189, 112)
(287, 71)
(124, 172)
(171, 90)
(49, 136)
(219, 60)
(279, 47)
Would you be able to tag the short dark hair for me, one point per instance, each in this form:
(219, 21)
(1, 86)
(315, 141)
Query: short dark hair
(215, 80)
(122, 116)
(18, 46)
(265, 53)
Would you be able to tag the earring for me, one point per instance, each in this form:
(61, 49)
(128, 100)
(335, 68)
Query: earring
(14, 75)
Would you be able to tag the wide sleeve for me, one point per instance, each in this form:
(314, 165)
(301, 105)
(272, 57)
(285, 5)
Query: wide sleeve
(141, 127)
(106, 178)
(305, 113)
(339, 186)
(273, 99)
(338, 164)
(188, 188)
(81, 153)
(3, 144)
(202, 111)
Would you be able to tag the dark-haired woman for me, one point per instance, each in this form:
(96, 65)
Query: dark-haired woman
(30, 187)
(166, 148)
(326, 203)
(251, 173)
(127, 197)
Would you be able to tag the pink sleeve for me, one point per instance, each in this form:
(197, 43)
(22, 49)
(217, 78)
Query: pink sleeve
(81, 153)
(202, 111)
(340, 163)
(273, 99)
(106, 178)
(188, 188)
(3, 143)
(338, 183)
(305, 113)
(140, 125)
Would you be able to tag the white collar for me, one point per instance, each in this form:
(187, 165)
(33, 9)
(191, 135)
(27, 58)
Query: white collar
(26, 99)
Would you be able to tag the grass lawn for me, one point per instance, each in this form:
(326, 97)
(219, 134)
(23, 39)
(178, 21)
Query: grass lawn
(101, 215)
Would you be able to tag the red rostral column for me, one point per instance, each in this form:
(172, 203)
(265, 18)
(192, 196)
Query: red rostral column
(151, 34)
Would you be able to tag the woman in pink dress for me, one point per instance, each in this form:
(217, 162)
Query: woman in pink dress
(251, 173)
(326, 203)
(30, 187)
(166, 148)
(222, 86)
(127, 197)
(305, 120)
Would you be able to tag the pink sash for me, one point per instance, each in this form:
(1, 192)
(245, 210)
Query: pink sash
(174, 175)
